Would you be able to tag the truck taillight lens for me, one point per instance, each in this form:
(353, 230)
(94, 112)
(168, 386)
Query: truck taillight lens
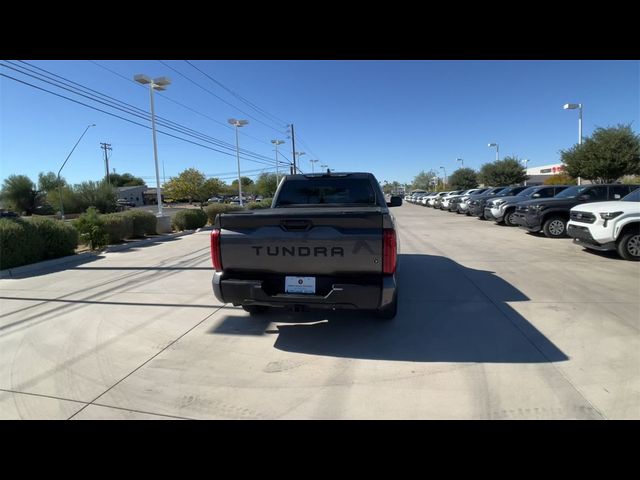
(216, 257)
(389, 251)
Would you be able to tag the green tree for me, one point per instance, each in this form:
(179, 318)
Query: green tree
(266, 185)
(48, 182)
(463, 179)
(19, 193)
(606, 156)
(508, 171)
(560, 179)
(210, 188)
(188, 185)
(391, 188)
(248, 185)
(125, 180)
(425, 180)
(95, 194)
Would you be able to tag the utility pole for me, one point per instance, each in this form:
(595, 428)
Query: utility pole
(293, 149)
(105, 147)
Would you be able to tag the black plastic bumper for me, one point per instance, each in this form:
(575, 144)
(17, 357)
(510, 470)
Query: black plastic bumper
(530, 222)
(340, 295)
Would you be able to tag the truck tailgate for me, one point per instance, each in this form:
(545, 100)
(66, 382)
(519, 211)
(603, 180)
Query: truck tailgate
(298, 241)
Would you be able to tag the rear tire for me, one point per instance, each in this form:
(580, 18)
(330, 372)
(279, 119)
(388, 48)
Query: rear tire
(629, 245)
(255, 309)
(555, 227)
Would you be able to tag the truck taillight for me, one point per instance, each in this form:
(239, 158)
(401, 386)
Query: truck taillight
(216, 257)
(389, 251)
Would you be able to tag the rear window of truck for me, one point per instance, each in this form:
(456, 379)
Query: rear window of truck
(326, 191)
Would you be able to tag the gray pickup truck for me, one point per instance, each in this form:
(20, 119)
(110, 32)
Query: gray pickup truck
(328, 241)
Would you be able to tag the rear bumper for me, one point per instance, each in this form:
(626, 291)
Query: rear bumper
(341, 295)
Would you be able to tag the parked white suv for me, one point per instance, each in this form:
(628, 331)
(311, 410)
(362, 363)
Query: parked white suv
(608, 225)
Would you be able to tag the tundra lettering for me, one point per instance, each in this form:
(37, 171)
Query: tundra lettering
(302, 251)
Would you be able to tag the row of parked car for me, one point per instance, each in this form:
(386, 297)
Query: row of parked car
(600, 217)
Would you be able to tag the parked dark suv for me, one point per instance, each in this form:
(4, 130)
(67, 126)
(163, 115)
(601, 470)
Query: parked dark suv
(502, 209)
(551, 215)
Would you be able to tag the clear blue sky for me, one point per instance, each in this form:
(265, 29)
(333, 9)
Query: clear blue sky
(393, 118)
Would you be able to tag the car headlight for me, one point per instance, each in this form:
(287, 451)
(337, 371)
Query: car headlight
(609, 215)
(538, 208)
(497, 203)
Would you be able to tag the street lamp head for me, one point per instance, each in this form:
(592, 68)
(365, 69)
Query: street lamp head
(237, 123)
(142, 78)
(571, 106)
(277, 142)
(492, 145)
(162, 81)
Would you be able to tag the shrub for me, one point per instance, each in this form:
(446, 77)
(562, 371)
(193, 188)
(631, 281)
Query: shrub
(266, 203)
(20, 243)
(118, 227)
(214, 209)
(91, 228)
(59, 239)
(144, 223)
(189, 219)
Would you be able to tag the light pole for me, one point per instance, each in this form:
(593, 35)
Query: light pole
(497, 150)
(526, 162)
(238, 124)
(445, 176)
(65, 162)
(276, 143)
(460, 160)
(312, 163)
(573, 106)
(160, 84)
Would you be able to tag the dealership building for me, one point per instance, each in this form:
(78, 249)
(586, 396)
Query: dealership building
(537, 175)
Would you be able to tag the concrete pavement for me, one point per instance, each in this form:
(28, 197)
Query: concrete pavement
(493, 323)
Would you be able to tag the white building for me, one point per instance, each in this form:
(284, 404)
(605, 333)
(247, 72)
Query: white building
(537, 175)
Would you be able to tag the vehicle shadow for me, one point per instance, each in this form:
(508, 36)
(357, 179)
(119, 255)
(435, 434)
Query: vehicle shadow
(446, 313)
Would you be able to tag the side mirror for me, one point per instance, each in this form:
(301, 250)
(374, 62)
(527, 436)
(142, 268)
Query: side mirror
(394, 201)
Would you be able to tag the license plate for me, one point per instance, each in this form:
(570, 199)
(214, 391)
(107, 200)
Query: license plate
(300, 285)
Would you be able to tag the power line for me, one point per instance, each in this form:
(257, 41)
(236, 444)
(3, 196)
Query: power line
(126, 119)
(131, 111)
(240, 97)
(216, 96)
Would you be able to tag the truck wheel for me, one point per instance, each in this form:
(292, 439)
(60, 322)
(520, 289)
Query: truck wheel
(255, 309)
(508, 218)
(389, 312)
(629, 246)
(555, 227)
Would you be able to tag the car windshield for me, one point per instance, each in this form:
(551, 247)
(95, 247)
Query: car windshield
(633, 196)
(527, 192)
(326, 191)
(571, 192)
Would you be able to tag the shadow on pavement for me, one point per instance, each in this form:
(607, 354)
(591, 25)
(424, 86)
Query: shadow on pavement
(447, 313)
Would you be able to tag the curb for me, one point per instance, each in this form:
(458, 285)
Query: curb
(80, 257)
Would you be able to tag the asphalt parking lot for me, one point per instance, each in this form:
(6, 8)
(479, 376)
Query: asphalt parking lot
(493, 323)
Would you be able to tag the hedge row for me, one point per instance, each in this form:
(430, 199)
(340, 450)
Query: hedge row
(99, 230)
(265, 203)
(23, 242)
(214, 209)
(189, 219)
